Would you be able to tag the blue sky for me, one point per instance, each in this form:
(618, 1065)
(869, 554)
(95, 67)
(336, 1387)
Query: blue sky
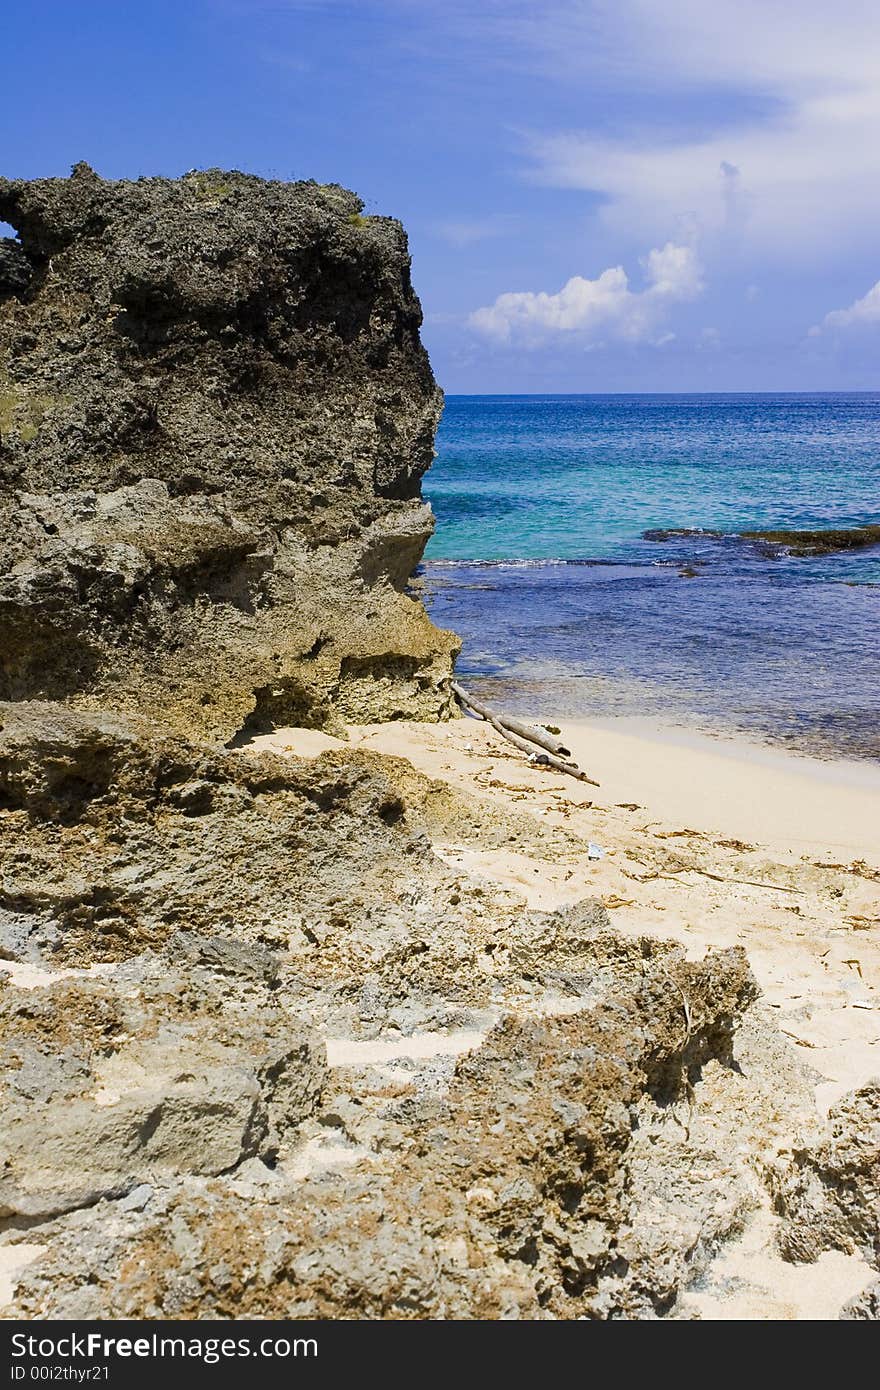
(609, 195)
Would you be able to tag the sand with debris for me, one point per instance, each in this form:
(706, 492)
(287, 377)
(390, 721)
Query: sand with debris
(711, 843)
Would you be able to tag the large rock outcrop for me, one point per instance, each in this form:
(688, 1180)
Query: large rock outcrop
(215, 413)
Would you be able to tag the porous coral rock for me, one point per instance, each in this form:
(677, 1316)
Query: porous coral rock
(215, 413)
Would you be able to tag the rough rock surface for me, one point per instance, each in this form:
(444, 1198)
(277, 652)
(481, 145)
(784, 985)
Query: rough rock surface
(830, 1193)
(518, 1114)
(215, 413)
(507, 1193)
(865, 1308)
(143, 1077)
(115, 838)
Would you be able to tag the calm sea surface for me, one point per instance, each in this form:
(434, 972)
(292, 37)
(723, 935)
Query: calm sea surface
(539, 560)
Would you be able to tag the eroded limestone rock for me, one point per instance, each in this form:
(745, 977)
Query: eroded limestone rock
(513, 1193)
(519, 1114)
(830, 1193)
(113, 1083)
(215, 413)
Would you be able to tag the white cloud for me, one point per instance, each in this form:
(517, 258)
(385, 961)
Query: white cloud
(736, 43)
(758, 119)
(791, 166)
(602, 308)
(673, 272)
(863, 312)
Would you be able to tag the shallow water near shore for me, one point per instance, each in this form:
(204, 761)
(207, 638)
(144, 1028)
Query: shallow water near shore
(540, 563)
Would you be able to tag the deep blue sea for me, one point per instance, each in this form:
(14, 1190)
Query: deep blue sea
(540, 564)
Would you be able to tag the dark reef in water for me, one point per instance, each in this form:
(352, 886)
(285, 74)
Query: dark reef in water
(670, 533)
(799, 543)
(819, 542)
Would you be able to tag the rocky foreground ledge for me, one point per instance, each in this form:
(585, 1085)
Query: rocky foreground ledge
(267, 1049)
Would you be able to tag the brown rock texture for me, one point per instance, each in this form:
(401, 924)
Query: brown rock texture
(265, 1054)
(215, 413)
(829, 1196)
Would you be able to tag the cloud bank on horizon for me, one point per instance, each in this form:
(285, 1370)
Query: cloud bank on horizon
(596, 308)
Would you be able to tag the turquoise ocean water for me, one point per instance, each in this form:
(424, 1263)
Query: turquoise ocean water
(540, 564)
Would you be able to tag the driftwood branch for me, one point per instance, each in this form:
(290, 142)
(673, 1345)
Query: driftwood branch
(524, 737)
(516, 726)
(707, 873)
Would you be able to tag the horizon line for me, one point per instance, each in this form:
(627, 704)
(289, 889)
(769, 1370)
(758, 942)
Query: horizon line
(536, 395)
